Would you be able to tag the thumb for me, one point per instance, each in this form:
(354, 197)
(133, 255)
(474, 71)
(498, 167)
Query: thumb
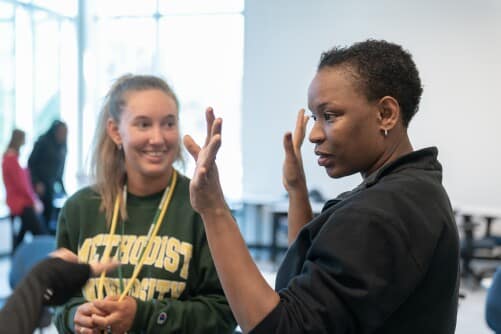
(191, 146)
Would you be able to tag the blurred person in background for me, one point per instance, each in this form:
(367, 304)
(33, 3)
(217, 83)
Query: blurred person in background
(46, 164)
(21, 199)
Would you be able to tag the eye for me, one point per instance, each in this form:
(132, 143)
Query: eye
(330, 116)
(142, 123)
(170, 122)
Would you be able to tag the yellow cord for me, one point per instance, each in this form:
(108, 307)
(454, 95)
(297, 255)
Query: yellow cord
(138, 267)
(107, 250)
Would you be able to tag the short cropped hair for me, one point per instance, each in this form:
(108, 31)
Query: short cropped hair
(381, 69)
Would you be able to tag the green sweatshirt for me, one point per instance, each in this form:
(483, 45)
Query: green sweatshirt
(177, 290)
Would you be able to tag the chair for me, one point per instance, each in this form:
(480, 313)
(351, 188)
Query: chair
(24, 258)
(484, 248)
(493, 303)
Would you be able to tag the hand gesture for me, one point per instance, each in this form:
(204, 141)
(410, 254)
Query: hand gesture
(84, 324)
(119, 314)
(96, 267)
(293, 176)
(206, 194)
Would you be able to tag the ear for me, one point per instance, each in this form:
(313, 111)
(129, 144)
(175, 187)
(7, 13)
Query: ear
(112, 130)
(389, 113)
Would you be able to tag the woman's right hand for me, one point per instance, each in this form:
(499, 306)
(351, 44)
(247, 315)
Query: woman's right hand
(83, 321)
(206, 195)
(293, 177)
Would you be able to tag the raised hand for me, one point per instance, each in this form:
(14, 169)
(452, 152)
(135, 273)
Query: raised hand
(206, 194)
(293, 176)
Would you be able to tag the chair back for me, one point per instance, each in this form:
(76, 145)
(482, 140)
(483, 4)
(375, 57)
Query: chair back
(28, 254)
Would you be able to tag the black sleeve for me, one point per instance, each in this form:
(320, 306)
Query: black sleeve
(51, 282)
(356, 272)
(34, 161)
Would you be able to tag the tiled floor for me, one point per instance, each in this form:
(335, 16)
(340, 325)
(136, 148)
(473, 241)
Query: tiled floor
(470, 315)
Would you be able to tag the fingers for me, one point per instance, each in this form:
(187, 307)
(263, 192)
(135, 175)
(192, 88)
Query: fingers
(191, 146)
(102, 322)
(288, 147)
(300, 130)
(106, 306)
(65, 254)
(99, 267)
(209, 117)
(83, 319)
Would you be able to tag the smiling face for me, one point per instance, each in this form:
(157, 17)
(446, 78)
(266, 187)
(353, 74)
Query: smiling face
(347, 127)
(148, 131)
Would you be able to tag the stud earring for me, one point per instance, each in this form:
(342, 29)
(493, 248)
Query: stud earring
(386, 132)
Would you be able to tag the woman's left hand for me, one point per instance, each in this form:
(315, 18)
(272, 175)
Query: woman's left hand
(120, 314)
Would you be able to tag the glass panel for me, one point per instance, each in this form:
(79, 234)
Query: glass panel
(120, 46)
(6, 11)
(124, 8)
(6, 82)
(169, 7)
(47, 99)
(202, 56)
(63, 7)
(24, 76)
(69, 100)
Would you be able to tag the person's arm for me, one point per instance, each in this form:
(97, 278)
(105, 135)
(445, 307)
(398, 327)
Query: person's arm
(64, 315)
(34, 161)
(249, 295)
(294, 179)
(50, 282)
(206, 310)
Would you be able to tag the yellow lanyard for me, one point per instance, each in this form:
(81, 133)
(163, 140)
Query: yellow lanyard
(152, 233)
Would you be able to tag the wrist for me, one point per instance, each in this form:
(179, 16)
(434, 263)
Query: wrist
(214, 214)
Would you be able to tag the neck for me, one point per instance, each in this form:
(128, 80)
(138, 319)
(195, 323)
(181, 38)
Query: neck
(149, 186)
(13, 150)
(397, 147)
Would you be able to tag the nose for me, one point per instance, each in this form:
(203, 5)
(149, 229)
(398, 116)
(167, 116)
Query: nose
(156, 135)
(317, 134)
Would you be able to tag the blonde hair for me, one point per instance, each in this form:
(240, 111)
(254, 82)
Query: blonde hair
(108, 160)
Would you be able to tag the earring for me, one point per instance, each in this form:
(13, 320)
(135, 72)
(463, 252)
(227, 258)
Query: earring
(119, 147)
(386, 132)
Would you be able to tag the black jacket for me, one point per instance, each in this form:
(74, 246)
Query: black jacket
(46, 161)
(50, 282)
(382, 258)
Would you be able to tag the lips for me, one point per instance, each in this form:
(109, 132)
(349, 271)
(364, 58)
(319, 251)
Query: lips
(155, 156)
(323, 158)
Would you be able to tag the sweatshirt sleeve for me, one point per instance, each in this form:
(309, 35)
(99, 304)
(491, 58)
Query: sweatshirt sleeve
(206, 310)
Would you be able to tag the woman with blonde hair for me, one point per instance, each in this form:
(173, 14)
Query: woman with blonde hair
(138, 211)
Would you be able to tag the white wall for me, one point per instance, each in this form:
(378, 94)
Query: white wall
(456, 46)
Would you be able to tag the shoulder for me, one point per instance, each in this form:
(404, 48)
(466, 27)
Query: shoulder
(83, 197)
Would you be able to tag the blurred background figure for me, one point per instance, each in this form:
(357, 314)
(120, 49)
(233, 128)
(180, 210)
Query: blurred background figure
(46, 164)
(21, 199)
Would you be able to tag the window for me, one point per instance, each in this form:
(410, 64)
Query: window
(38, 81)
(197, 46)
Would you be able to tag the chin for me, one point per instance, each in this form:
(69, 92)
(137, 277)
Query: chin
(337, 173)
